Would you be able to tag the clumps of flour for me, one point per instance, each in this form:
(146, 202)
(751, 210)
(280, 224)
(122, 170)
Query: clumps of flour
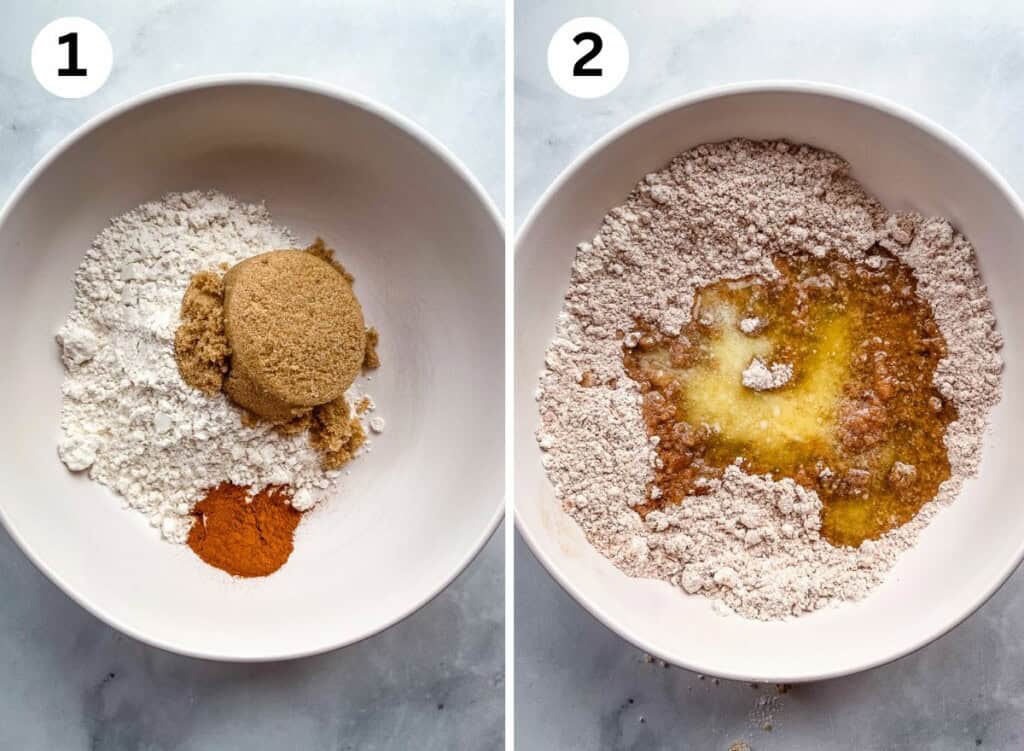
(127, 417)
(723, 211)
(761, 377)
(750, 325)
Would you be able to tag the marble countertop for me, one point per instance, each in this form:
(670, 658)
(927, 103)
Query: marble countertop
(579, 686)
(434, 681)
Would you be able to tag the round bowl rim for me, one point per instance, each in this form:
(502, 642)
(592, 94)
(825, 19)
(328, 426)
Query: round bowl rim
(782, 86)
(295, 83)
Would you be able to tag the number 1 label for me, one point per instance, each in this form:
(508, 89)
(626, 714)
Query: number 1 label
(71, 40)
(72, 57)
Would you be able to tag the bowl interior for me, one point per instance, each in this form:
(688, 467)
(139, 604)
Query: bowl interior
(969, 548)
(426, 252)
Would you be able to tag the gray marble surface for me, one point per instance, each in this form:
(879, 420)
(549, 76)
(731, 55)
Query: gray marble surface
(434, 681)
(578, 686)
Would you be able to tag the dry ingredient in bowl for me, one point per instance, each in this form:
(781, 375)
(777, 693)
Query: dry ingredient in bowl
(283, 335)
(750, 541)
(244, 535)
(296, 332)
(127, 416)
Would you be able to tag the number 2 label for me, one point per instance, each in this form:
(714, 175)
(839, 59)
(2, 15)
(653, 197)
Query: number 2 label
(580, 69)
(588, 57)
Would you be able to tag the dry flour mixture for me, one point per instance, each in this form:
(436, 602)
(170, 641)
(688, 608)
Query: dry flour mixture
(723, 211)
(127, 417)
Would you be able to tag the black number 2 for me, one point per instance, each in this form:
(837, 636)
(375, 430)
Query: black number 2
(580, 69)
(71, 40)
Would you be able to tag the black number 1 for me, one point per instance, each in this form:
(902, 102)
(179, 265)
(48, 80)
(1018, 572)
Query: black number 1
(580, 69)
(71, 39)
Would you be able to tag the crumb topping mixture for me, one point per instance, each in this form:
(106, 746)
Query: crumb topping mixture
(748, 537)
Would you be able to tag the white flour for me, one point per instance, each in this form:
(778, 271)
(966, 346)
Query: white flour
(762, 377)
(722, 211)
(127, 416)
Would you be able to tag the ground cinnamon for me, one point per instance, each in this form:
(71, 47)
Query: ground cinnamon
(243, 536)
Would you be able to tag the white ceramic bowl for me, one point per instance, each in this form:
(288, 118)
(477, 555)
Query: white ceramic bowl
(969, 549)
(425, 245)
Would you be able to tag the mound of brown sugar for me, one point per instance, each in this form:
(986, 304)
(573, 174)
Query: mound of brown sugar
(336, 432)
(200, 346)
(282, 334)
(295, 330)
(371, 359)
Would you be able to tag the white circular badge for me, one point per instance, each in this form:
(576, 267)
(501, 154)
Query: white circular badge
(72, 57)
(588, 57)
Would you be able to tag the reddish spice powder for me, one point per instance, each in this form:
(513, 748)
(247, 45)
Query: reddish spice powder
(243, 536)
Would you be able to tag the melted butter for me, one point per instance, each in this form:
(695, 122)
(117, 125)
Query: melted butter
(859, 421)
(768, 422)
